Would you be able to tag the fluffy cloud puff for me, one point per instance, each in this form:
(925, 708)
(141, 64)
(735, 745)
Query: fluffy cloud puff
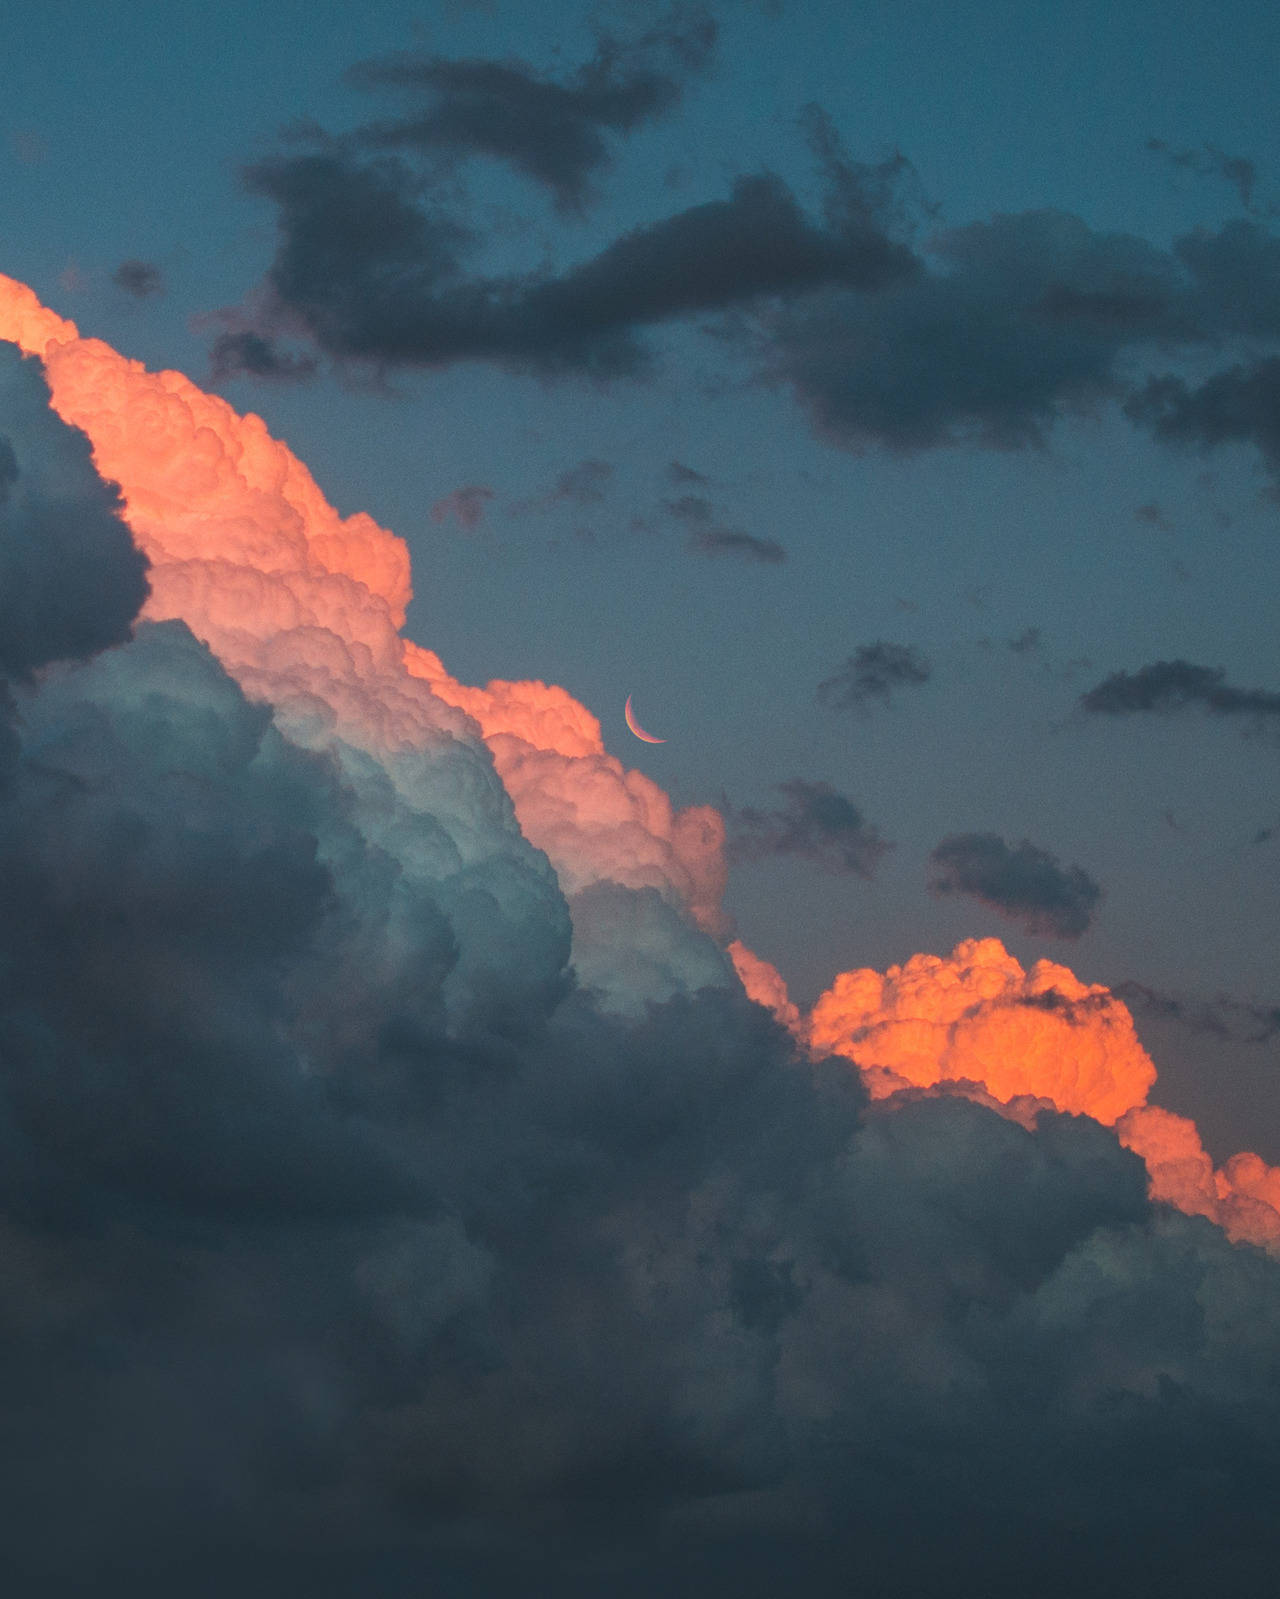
(348, 1242)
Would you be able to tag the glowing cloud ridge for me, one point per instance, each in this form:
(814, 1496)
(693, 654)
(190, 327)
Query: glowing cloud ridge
(304, 608)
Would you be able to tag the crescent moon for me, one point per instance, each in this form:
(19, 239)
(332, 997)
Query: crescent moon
(635, 727)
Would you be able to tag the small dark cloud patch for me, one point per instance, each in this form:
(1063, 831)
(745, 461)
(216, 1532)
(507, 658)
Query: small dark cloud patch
(731, 541)
(555, 132)
(685, 476)
(873, 672)
(693, 508)
(142, 279)
(1237, 1020)
(247, 354)
(1152, 515)
(1028, 642)
(816, 822)
(1209, 161)
(1238, 406)
(1174, 685)
(1026, 884)
(465, 505)
(584, 484)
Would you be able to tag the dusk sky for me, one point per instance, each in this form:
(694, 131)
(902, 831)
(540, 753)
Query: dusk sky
(403, 1190)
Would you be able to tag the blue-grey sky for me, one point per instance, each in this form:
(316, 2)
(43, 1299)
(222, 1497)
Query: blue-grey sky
(1074, 534)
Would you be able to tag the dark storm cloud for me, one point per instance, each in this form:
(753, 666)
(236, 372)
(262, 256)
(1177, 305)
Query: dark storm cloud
(1023, 882)
(247, 354)
(466, 505)
(350, 1245)
(816, 822)
(1238, 406)
(873, 672)
(1210, 161)
(552, 132)
(71, 580)
(1173, 685)
(139, 278)
(731, 541)
(1242, 1021)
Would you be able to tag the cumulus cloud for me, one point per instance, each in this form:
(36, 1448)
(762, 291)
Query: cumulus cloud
(816, 822)
(1172, 686)
(1022, 882)
(353, 1238)
(873, 672)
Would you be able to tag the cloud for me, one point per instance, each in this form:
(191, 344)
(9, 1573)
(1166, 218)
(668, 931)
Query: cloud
(584, 484)
(697, 512)
(1173, 685)
(1024, 883)
(728, 541)
(139, 278)
(354, 1239)
(1210, 161)
(683, 476)
(1238, 406)
(247, 354)
(872, 672)
(1244, 1021)
(552, 132)
(71, 580)
(1152, 515)
(816, 822)
(466, 506)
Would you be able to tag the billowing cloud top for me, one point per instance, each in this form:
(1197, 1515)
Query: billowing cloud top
(399, 1191)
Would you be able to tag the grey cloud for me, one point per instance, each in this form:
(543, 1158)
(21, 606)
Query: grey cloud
(372, 266)
(1173, 685)
(247, 354)
(816, 822)
(71, 580)
(682, 475)
(552, 132)
(1023, 882)
(584, 484)
(466, 505)
(873, 672)
(1025, 321)
(1209, 161)
(139, 278)
(1238, 406)
(730, 541)
(1244, 1021)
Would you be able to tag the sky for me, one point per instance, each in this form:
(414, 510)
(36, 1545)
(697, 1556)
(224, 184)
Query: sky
(452, 1137)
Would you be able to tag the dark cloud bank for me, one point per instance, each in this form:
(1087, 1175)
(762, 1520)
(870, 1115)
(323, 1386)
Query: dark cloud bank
(1022, 882)
(349, 1247)
(987, 333)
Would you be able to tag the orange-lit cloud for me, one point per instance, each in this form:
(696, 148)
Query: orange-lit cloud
(304, 607)
(1026, 1037)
